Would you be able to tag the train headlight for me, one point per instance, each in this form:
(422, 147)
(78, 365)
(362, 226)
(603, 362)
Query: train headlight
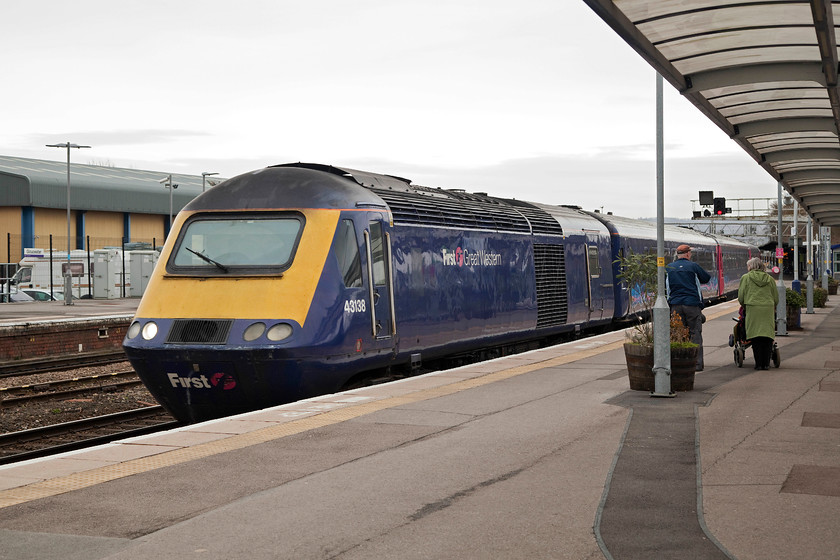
(150, 330)
(133, 330)
(253, 332)
(278, 332)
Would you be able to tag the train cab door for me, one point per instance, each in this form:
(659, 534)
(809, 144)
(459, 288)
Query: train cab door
(594, 292)
(383, 326)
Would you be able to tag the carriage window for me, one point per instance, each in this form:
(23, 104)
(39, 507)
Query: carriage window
(377, 254)
(706, 260)
(347, 254)
(594, 265)
(216, 244)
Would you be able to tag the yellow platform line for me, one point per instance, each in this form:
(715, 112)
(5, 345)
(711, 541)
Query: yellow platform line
(80, 480)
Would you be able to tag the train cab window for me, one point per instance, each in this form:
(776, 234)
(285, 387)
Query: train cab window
(594, 264)
(347, 254)
(377, 253)
(222, 244)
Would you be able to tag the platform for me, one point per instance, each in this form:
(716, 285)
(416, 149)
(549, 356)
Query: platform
(34, 331)
(17, 313)
(540, 455)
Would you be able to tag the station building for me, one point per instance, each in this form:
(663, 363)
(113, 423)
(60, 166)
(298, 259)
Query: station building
(109, 206)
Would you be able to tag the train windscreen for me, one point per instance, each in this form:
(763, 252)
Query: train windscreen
(219, 244)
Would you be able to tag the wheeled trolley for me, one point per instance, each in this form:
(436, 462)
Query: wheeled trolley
(739, 342)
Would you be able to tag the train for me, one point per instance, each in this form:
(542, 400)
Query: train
(303, 279)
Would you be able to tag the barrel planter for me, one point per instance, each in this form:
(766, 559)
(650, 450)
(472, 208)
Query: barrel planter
(794, 318)
(683, 367)
(640, 367)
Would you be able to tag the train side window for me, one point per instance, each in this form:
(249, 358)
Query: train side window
(706, 260)
(347, 254)
(594, 264)
(377, 253)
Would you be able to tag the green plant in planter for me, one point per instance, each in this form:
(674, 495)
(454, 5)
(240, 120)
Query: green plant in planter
(820, 296)
(680, 337)
(794, 299)
(638, 272)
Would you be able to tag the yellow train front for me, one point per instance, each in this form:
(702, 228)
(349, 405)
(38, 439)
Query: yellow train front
(248, 306)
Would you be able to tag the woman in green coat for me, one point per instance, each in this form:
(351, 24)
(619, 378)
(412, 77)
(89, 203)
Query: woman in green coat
(759, 296)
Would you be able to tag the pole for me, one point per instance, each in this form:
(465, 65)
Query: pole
(204, 175)
(781, 308)
(794, 240)
(169, 182)
(825, 238)
(809, 282)
(661, 311)
(68, 275)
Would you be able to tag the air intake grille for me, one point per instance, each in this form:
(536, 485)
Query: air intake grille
(456, 210)
(199, 331)
(552, 296)
(541, 221)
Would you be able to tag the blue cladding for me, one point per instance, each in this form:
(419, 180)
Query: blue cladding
(457, 285)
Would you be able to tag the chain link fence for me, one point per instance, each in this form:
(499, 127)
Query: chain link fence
(49, 255)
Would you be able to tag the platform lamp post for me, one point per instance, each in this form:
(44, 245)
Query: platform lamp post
(167, 182)
(204, 175)
(781, 308)
(68, 274)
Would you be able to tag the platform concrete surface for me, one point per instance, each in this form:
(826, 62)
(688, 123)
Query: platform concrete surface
(34, 311)
(540, 455)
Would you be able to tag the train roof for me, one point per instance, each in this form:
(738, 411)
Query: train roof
(314, 185)
(286, 186)
(643, 229)
(453, 208)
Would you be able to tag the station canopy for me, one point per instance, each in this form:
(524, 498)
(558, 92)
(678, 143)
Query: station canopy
(764, 71)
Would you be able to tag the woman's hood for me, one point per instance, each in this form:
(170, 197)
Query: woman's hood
(759, 278)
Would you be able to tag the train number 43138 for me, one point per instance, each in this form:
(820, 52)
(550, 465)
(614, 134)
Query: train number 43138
(354, 306)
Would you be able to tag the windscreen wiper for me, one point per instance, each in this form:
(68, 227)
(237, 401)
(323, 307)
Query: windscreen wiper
(205, 258)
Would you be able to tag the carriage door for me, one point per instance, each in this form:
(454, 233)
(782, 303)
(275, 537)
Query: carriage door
(380, 279)
(594, 291)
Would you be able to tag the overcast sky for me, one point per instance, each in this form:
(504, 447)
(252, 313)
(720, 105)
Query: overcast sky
(537, 99)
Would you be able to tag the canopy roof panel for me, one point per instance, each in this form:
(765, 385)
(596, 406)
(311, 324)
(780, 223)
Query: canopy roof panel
(764, 71)
(43, 184)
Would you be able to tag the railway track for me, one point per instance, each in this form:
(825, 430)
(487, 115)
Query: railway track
(68, 436)
(54, 363)
(59, 389)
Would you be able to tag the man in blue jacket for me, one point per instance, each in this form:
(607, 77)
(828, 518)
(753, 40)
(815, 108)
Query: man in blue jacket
(683, 287)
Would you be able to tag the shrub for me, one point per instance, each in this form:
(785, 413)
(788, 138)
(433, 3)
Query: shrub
(679, 332)
(794, 299)
(820, 296)
(638, 272)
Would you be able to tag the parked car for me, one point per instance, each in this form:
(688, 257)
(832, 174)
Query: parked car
(15, 297)
(44, 295)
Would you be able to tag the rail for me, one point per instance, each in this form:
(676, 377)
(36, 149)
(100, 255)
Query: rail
(79, 434)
